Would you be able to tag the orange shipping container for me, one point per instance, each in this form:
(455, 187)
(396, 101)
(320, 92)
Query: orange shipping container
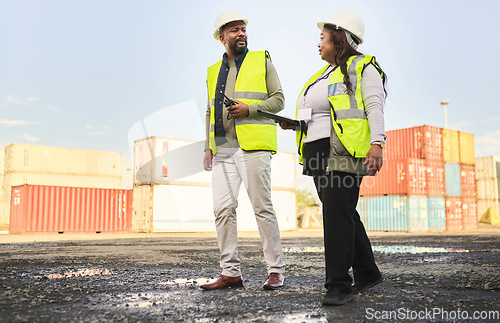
(416, 142)
(435, 177)
(470, 220)
(37, 208)
(397, 177)
(451, 147)
(466, 141)
(453, 205)
(468, 179)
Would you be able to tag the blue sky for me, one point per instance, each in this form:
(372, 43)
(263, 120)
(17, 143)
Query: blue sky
(81, 74)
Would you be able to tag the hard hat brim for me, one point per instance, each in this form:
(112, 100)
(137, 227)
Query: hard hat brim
(217, 31)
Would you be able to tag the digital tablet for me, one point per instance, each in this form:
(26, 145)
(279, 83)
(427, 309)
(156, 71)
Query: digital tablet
(280, 118)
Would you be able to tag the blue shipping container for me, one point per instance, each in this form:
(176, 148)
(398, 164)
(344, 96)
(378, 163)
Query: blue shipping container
(452, 179)
(437, 213)
(418, 213)
(384, 213)
(362, 210)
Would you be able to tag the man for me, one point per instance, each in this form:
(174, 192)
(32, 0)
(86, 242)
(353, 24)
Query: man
(239, 147)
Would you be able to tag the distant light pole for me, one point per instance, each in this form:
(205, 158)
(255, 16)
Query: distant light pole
(445, 103)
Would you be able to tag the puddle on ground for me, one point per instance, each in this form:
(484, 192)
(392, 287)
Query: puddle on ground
(183, 281)
(383, 249)
(80, 273)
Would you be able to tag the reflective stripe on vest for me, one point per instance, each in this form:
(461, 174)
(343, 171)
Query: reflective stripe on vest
(349, 121)
(250, 88)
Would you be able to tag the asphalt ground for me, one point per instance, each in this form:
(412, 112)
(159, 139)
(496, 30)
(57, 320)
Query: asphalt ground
(156, 277)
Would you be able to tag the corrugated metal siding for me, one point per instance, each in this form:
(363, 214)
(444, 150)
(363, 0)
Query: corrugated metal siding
(451, 146)
(466, 142)
(418, 214)
(32, 159)
(36, 208)
(470, 220)
(362, 209)
(397, 177)
(452, 178)
(468, 180)
(416, 142)
(453, 213)
(488, 189)
(437, 213)
(142, 211)
(171, 208)
(484, 205)
(435, 177)
(433, 143)
(487, 167)
(387, 213)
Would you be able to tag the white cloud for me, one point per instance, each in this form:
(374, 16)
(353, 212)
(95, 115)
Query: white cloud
(30, 138)
(96, 133)
(32, 99)
(489, 144)
(15, 100)
(15, 122)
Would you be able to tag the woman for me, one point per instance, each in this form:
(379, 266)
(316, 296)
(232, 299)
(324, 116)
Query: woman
(342, 106)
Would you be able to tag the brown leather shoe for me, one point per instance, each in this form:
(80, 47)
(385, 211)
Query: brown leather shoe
(224, 282)
(274, 281)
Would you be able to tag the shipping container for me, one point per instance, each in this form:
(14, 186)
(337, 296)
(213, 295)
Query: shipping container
(453, 180)
(397, 177)
(451, 146)
(362, 209)
(416, 142)
(435, 177)
(418, 213)
(468, 180)
(385, 213)
(437, 213)
(488, 189)
(29, 159)
(484, 205)
(470, 220)
(160, 160)
(466, 141)
(171, 208)
(487, 167)
(453, 213)
(38, 208)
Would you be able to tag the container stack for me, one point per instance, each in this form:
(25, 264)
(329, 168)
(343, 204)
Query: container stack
(53, 167)
(427, 183)
(488, 184)
(172, 191)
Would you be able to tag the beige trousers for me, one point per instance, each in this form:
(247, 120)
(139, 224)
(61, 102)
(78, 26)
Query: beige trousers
(231, 166)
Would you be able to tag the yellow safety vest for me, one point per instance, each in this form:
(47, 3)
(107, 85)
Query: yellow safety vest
(348, 118)
(250, 87)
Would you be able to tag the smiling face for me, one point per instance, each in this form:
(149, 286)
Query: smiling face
(234, 38)
(326, 46)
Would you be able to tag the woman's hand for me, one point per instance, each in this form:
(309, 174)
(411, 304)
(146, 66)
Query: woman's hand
(374, 159)
(284, 125)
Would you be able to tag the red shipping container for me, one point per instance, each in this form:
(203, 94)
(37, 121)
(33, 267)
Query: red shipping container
(38, 208)
(397, 177)
(468, 179)
(416, 142)
(435, 177)
(470, 219)
(453, 205)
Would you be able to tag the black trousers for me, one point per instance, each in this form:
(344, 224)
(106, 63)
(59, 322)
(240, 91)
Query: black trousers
(345, 239)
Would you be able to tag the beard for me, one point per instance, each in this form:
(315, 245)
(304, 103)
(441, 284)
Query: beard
(238, 49)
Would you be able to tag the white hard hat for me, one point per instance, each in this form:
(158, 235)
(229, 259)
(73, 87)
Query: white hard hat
(348, 21)
(224, 18)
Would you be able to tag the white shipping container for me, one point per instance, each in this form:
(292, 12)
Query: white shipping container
(62, 161)
(190, 208)
(488, 189)
(2, 161)
(488, 167)
(160, 160)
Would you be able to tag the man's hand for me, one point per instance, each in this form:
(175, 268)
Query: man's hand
(284, 125)
(207, 160)
(374, 159)
(239, 110)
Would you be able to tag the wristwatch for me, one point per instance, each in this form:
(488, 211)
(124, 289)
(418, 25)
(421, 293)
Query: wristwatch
(380, 143)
